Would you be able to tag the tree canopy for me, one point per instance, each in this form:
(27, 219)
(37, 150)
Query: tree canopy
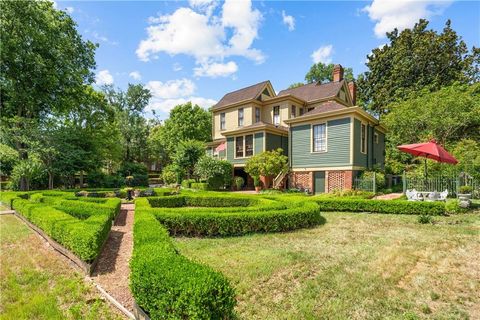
(413, 60)
(321, 72)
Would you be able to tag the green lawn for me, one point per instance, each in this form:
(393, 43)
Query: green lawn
(356, 266)
(37, 284)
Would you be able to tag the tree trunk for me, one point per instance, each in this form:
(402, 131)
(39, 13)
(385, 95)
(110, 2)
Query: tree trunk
(81, 179)
(50, 180)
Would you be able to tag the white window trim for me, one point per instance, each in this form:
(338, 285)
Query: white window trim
(279, 116)
(312, 137)
(243, 117)
(224, 121)
(376, 138)
(365, 144)
(244, 146)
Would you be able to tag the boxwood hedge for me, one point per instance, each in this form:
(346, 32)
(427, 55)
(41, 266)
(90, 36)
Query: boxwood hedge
(169, 286)
(80, 226)
(381, 206)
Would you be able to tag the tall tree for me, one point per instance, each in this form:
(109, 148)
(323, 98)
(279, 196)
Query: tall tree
(187, 154)
(129, 108)
(186, 122)
(321, 72)
(416, 59)
(45, 63)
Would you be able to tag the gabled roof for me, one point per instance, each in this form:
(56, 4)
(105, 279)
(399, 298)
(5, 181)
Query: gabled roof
(324, 107)
(314, 91)
(247, 93)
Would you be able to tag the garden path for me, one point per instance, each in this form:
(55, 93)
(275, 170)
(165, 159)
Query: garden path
(389, 196)
(112, 271)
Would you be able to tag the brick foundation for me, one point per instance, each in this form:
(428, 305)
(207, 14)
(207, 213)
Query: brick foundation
(334, 180)
(301, 180)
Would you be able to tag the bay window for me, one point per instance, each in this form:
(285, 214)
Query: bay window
(244, 146)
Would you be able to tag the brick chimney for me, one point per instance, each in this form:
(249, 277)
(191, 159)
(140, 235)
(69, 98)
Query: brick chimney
(337, 73)
(352, 87)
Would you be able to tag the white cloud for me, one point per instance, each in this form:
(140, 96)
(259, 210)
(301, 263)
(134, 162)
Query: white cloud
(323, 54)
(177, 66)
(214, 70)
(289, 21)
(168, 104)
(171, 89)
(389, 15)
(135, 75)
(69, 10)
(206, 37)
(103, 77)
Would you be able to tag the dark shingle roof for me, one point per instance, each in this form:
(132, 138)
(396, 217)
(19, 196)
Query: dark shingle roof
(247, 93)
(325, 107)
(314, 91)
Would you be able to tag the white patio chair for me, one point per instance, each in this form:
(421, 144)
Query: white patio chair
(409, 195)
(433, 196)
(443, 195)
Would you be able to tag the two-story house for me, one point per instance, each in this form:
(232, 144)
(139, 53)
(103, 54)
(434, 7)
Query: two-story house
(327, 138)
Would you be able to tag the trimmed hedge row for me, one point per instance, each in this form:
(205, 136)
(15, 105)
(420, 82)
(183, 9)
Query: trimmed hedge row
(381, 206)
(247, 215)
(199, 186)
(83, 237)
(85, 209)
(169, 286)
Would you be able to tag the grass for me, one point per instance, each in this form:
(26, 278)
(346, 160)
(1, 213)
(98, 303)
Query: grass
(356, 266)
(37, 284)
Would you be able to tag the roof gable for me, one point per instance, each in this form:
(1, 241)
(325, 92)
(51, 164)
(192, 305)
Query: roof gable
(248, 93)
(315, 91)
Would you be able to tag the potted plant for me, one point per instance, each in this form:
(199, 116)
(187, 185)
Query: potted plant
(465, 192)
(257, 183)
(239, 182)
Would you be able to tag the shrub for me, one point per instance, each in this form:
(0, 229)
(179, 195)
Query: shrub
(165, 283)
(169, 174)
(381, 206)
(199, 186)
(187, 183)
(425, 218)
(239, 182)
(228, 216)
(83, 237)
(465, 189)
(217, 173)
(452, 206)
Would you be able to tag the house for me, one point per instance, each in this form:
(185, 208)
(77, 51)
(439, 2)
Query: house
(328, 139)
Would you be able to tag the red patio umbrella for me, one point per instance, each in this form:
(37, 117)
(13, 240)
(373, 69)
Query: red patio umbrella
(429, 150)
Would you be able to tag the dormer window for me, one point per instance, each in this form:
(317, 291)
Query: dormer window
(240, 117)
(276, 115)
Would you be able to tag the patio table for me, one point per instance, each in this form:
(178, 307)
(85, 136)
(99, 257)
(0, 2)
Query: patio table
(424, 194)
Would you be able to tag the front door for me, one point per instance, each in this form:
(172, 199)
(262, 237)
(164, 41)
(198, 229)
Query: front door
(319, 181)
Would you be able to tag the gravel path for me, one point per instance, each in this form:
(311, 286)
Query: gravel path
(389, 196)
(112, 271)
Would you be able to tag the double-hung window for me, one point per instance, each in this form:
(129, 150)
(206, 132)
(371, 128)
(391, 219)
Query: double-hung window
(239, 147)
(294, 111)
(240, 117)
(257, 115)
(319, 138)
(222, 121)
(363, 146)
(302, 111)
(276, 115)
(244, 146)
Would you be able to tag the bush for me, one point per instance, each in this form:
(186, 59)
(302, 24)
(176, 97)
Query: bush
(452, 206)
(138, 171)
(465, 189)
(169, 174)
(239, 182)
(229, 216)
(425, 218)
(381, 206)
(199, 186)
(187, 183)
(164, 282)
(83, 237)
(217, 173)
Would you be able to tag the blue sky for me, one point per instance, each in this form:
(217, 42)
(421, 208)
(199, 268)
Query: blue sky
(201, 49)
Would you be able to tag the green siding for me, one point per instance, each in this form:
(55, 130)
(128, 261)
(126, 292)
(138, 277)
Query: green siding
(257, 148)
(258, 144)
(379, 150)
(359, 158)
(276, 141)
(221, 154)
(375, 152)
(338, 146)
